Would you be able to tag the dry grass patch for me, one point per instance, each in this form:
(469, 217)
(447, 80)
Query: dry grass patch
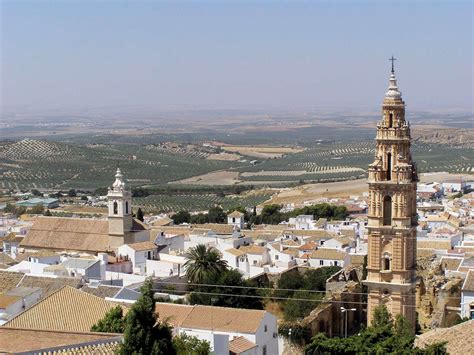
(262, 151)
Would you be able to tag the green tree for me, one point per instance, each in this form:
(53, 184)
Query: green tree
(292, 280)
(383, 336)
(271, 214)
(244, 295)
(35, 192)
(140, 214)
(199, 218)
(101, 191)
(84, 198)
(72, 193)
(188, 345)
(316, 279)
(181, 217)
(47, 213)
(202, 262)
(216, 215)
(9, 208)
(37, 209)
(113, 322)
(298, 307)
(144, 333)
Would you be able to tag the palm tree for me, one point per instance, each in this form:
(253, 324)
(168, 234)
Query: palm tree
(202, 262)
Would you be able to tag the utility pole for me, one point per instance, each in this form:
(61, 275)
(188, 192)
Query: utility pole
(344, 311)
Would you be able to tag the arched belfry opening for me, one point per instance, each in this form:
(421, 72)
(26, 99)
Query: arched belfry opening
(126, 207)
(386, 262)
(390, 120)
(387, 211)
(115, 207)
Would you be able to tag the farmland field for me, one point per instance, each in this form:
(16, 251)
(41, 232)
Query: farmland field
(49, 165)
(199, 202)
(28, 164)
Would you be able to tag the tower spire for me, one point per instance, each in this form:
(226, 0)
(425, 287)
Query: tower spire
(393, 63)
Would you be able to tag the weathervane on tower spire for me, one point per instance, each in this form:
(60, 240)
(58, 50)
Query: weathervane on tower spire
(393, 62)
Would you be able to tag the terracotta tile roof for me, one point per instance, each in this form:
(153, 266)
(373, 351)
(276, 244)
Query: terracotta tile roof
(268, 235)
(224, 319)
(14, 340)
(138, 225)
(308, 246)
(309, 233)
(38, 254)
(433, 244)
(305, 256)
(165, 221)
(184, 230)
(328, 254)
(343, 240)
(6, 259)
(68, 309)
(9, 280)
(12, 237)
(216, 227)
(234, 251)
(212, 318)
(253, 249)
(357, 259)
(142, 246)
(49, 285)
(293, 252)
(468, 284)
(240, 344)
(174, 314)
(6, 300)
(63, 233)
(101, 291)
(459, 337)
(290, 243)
(235, 214)
(451, 264)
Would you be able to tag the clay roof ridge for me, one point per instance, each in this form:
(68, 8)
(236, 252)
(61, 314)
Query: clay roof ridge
(37, 303)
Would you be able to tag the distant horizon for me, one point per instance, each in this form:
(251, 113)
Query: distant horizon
(169, 56)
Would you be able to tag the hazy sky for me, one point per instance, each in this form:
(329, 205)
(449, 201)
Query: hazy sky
(235, 54)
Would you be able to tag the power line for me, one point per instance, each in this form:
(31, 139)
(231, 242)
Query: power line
(267, 288)
(277, 298)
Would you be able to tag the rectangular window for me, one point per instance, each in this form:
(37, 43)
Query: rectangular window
(335, 263)
(276, 257)
(321, 262)
(264, 350)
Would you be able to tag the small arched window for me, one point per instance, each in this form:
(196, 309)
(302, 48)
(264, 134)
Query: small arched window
(390, 120)
(115, 207)
(126, 207)
(386, 262)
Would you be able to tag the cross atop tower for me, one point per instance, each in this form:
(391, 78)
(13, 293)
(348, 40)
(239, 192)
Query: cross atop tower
(393, 62)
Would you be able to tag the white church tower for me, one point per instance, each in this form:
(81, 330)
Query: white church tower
(120, 207)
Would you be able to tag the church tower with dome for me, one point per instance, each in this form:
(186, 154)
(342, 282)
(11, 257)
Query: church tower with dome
(120, 207)
(392, 216)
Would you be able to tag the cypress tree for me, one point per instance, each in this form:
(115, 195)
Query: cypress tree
(144, 333)
(140, 214)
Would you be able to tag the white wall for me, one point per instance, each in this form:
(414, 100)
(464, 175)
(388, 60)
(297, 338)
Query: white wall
(467, 298)
(268, 338)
